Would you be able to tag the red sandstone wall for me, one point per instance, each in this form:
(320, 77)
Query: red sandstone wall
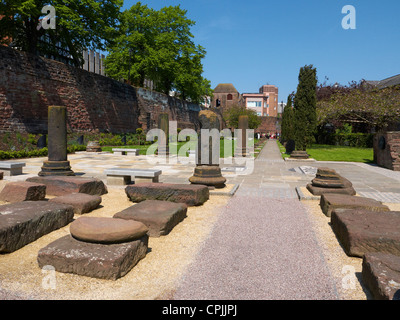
(268, 125)
(29, 84)
(387, 149)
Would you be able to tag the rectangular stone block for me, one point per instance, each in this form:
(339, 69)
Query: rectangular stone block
(23, 191)
(61, 185)
(360, 231)
(24, 222)
(159, 216)
(190, 194)
(381, 275)
(331, 201)
(104, 261)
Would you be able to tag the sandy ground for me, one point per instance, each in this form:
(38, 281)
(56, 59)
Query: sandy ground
(154, 277)
(158, 274)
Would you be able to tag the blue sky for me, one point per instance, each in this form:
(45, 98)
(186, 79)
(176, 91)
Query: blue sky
(255, 42)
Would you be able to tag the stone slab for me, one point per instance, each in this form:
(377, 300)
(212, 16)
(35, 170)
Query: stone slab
(360, 231)
(159, 216)
(24, 222)
(23, 191)
(104, 261)
(62, 185)
(318, 191)
(381, 275)
(331, 201)
(190, 194)
(107, 230)
(81, 202)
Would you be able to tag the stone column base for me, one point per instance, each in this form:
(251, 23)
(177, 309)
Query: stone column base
(56, 168)
(209, 176)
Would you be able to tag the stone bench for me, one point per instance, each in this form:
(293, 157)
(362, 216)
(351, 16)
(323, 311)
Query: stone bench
(11, 168)
(125, 151)
(123, 176)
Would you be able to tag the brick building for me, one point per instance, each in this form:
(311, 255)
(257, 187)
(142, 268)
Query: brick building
(265, 102)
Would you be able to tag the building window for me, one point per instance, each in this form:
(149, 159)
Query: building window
(253, 104)
(229, 97)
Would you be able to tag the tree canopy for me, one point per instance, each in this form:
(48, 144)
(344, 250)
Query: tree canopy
(78, 25)
(231, 116)
(157, 45)
(377, 108)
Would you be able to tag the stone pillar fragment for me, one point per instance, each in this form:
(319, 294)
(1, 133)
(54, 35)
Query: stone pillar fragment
(207, 171)
(163, 124)
(57, 163)
(241, 148)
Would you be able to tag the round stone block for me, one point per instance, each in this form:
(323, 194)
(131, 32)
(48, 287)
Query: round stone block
(107, 230)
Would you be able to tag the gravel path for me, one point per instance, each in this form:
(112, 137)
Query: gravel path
(260, 248)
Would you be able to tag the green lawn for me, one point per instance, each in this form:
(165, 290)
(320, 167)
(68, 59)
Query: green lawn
(321, 152)
(143, 148)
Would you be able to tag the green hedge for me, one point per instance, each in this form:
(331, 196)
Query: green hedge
(360, 140)
(35, 153)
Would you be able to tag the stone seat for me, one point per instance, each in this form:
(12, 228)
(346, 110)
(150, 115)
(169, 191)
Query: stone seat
(123, 176)
(125, 151)
(11, 168)
(23, 191)
(24, 222)
(360, 231)
(159, 216)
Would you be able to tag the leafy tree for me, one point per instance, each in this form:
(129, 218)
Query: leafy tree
(305, 108)
(375, 108)
(79, 24)
(287, 126)
(231, 116)
(158, 46)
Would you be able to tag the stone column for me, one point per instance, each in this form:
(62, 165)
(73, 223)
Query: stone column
(163, 124)
(241, 148)
(207, 170)
(57, 163)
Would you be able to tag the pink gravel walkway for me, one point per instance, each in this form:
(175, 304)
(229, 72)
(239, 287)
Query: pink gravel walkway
(261, 248)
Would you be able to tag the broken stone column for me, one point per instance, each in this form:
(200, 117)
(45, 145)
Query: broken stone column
(163, 124)
(207, 171)
(57, 163)
(241, 148)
